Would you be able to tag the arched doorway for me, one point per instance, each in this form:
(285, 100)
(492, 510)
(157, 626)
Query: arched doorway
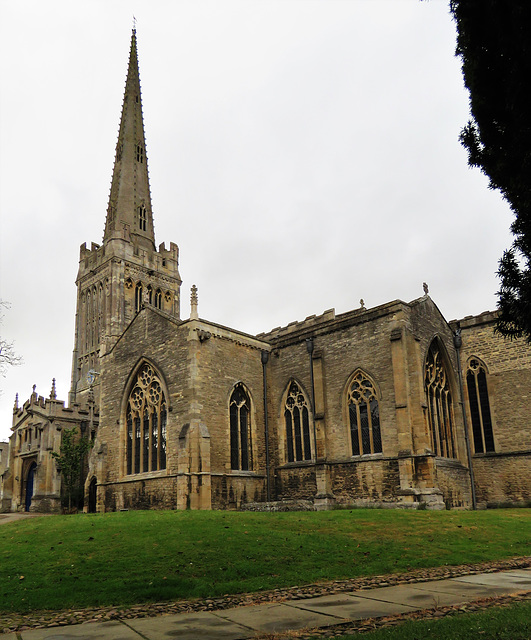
(29, 485)
(92, 495)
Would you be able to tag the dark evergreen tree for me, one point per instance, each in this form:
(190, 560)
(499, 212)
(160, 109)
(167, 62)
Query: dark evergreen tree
(494, 43)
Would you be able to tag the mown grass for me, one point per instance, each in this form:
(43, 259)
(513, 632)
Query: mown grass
(508, 623)
(135, 557)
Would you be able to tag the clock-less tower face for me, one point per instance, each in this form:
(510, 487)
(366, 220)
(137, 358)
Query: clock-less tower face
(127, 272)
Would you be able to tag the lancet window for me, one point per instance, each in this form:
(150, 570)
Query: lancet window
(364, 416)
(142, 218)
(158, 299)
(439, 400)
(146, 417)
(241, 456)
(478, 399)
(139, 292)
(297, 422)
(139, 153)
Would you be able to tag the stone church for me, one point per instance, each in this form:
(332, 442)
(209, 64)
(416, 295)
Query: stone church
(389, 406)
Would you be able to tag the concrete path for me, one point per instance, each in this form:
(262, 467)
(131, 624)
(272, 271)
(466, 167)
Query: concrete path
(11, 517)
(248, 621)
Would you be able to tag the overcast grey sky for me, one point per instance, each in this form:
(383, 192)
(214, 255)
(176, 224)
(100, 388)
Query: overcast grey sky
(303, 154)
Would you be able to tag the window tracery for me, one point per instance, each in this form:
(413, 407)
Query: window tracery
(364, 416)
(241, 456)
(297, 422)
(146, 418)
(439, 399)
(478, 400)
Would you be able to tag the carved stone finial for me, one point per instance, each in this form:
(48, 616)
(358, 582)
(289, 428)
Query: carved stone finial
(194, 315)
(53, 392)
(15, 407)
(425, 287)
(362, 304)
(34, 388)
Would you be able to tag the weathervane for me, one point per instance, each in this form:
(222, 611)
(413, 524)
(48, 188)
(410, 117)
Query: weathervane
(134, 23)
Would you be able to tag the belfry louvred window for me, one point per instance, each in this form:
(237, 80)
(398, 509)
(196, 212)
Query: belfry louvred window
(478, 400)
(439, 401)
(146, 416)
(297, 421)
(241, 456)
(364, 416)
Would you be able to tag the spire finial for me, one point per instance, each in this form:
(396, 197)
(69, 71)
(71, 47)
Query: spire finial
(53, 393)
(134, 23)
(426, 289)
(15, 407)
(193, 303)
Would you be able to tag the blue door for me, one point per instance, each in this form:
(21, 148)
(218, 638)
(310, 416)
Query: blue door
(29, 485)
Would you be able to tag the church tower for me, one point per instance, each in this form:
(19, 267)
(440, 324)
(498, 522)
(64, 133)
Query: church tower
(118, 278)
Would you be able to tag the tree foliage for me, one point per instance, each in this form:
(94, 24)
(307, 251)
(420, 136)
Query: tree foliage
(494, 43)
(70, 460)
(8, 355)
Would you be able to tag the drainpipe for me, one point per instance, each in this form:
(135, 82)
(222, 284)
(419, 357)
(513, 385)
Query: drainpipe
(309, 349)
(265, 358)
(458, 341)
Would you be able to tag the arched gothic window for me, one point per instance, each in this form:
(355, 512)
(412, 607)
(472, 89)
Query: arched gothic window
(439, 399)
(478, 399)
(146, 424)
(158, 299)
(139, 291)
(364, 416)
(297, 421)
(241, 456)
(142, 218)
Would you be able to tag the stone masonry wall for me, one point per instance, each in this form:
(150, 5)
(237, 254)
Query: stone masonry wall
(153, 338)
(503, 476)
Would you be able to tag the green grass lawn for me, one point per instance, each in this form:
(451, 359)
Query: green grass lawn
(508, 623)
(146, 556)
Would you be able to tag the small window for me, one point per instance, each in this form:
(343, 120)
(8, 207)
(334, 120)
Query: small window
(139, 292)
(478, 400)
(297, 422)
(158, 299)
(139, 153)
(142, 218)
(364, 416)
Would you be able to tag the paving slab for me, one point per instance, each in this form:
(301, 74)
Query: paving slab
(409, 596)
(464, 591)
(515, 580)
(349, 607)
(87, 631)
(189, 626)
(276, 618)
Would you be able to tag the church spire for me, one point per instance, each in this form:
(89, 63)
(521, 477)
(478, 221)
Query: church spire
(129, 213)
